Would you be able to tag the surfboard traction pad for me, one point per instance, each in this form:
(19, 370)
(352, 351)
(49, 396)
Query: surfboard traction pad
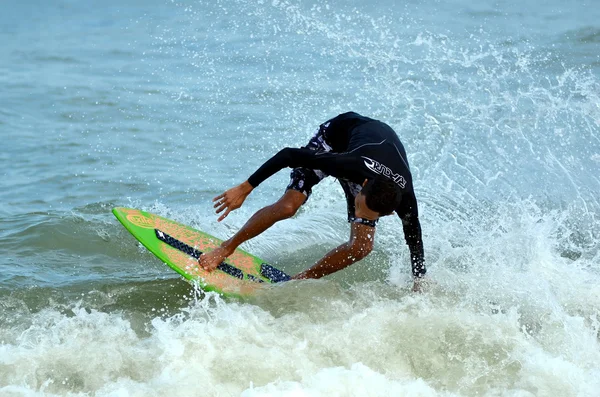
(179, 246)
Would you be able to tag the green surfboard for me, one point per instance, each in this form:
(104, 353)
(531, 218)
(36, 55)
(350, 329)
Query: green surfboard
(180, 246)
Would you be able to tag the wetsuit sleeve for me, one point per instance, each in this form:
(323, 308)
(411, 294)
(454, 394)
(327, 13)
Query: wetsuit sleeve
(334, 164)
(409, 214)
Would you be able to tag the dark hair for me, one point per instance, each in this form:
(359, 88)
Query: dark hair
(382, 195)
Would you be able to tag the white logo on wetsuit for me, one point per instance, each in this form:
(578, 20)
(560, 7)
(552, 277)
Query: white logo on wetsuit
(381, 169)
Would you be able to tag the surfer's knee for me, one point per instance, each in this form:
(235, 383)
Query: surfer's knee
(360, 248)
(286, 209)
(288, 205)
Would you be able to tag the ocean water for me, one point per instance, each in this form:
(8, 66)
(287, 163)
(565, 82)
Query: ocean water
(161, 105)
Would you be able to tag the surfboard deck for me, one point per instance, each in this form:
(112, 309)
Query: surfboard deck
(180, 246)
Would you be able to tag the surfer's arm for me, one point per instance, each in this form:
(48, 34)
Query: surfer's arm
(334, 164)
(409, 214)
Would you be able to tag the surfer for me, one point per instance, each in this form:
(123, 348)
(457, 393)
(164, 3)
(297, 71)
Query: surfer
(369, 161)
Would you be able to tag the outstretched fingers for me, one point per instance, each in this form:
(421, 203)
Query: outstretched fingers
(230, 200)
(220, 203)
(219, 197)
(219, 200)
(224, 215)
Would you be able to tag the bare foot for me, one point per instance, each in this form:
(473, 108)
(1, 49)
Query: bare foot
(212, 259)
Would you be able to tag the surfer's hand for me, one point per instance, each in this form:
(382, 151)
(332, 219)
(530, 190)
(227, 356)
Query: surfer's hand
(232, 199)
(419, 284)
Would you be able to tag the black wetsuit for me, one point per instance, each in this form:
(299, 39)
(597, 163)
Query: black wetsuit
(353, 148)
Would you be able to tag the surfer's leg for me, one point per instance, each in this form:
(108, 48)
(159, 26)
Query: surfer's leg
(266, 217)
(359, 245)
(263, 219)
(297, 192)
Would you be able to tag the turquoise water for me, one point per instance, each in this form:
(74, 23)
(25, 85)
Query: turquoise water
(161, 105)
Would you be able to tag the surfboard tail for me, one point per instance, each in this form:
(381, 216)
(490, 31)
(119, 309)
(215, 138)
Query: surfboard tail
(273, 274)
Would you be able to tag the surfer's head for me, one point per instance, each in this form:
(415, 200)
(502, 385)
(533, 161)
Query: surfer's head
(378, 197)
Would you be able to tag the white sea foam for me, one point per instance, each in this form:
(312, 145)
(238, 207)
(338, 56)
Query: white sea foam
(313, 338)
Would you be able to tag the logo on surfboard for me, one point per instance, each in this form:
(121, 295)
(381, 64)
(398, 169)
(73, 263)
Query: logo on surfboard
(141, 221)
